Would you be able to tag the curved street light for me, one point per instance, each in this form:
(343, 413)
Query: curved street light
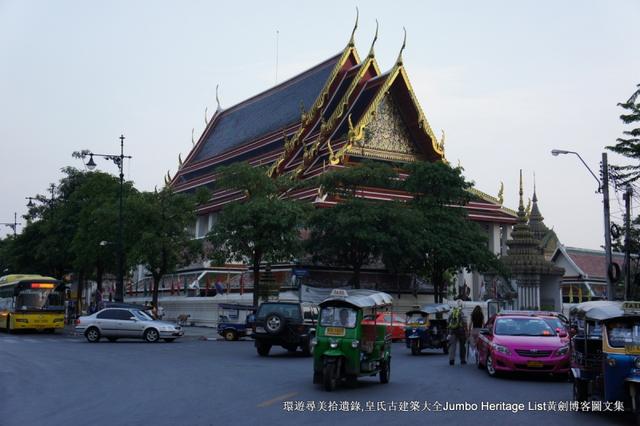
(603, 187)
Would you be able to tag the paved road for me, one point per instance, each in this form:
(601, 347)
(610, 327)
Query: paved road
(63, 380)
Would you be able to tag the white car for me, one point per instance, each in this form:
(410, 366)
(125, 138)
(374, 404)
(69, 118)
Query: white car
(115, 323)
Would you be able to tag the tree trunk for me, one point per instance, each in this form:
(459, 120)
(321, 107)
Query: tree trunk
(256, 278)
(356, 276)
(438, 285)
(154, 292)
(79, 293)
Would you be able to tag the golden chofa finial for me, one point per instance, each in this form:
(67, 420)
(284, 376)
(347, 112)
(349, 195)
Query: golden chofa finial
(355, 27)
(206, 120)
(501, 193)
(193, 140)
(441, 144)
(218, 108)
(404, 44)
(527, 210)
(375, 38)
(179, 160)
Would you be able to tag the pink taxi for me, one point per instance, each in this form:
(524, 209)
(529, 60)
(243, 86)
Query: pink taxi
(510, 343)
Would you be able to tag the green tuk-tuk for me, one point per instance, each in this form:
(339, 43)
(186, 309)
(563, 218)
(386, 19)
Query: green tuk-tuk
(345, 348)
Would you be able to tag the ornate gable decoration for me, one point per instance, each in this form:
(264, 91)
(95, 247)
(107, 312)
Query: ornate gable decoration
(386, 133)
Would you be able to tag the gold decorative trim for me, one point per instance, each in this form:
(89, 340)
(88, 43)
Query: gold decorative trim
(381, 154)
(306, 118)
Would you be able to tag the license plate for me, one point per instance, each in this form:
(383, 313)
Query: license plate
(632, 349)
(535, 364)
(334, 331)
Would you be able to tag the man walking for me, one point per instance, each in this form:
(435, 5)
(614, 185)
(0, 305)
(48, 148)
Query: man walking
(457, 333)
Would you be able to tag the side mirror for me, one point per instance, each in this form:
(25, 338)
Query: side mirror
(485, 331)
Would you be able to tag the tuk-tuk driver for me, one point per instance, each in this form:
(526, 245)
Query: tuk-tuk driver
(344, 317)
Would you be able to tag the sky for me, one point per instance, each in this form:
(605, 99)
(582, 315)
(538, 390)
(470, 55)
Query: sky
(507, 82)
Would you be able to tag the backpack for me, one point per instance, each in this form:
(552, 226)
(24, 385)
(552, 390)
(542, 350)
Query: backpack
(455, 319)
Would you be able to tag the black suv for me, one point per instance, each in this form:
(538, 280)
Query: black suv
(287, 324)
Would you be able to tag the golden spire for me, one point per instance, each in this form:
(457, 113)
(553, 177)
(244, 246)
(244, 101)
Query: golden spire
(521, 203)
(527, 210)
(404, 44)
(375, 37)
(355, 27)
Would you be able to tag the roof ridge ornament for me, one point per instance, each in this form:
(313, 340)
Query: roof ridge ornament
(501, 193)
(353, 32)
(206, 120)
(193, 141)
(375, 38)
(404, 44)
(218, 108)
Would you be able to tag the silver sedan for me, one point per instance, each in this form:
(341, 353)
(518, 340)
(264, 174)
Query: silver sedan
(114, 323)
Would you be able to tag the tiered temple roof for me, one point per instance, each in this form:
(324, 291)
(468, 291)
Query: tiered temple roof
(335, 114)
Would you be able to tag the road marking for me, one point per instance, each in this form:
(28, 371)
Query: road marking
(277, 399)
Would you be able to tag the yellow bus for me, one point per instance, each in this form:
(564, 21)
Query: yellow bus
(31, 302)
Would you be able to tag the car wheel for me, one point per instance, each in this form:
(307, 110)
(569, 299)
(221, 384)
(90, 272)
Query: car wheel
(491, 369)
(230, 335)
(385, 371)
(307, 348)
(151, 335)
(92, 335)
(329, 379)
(274, 323)
(169, 340)
(112, 339)
(263, 348)
(415, 347)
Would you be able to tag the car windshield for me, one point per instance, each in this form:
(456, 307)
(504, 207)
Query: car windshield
(623, 332)
(523, 327)
(338, 317)
(416, 318)
(554, 323)
(287, 310)
(141, 315)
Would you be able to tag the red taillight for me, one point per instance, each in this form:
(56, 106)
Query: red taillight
(77, 321)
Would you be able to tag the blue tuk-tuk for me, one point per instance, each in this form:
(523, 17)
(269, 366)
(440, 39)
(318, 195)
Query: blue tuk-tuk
(234, 320)
(427, 328)
(605, 345)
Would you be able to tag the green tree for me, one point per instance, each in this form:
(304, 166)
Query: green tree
(357, 231)
(264, 226)
(163, 240)
(450, 241)
(629, 145)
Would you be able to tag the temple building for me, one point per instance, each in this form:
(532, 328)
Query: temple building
(336, 114)
(536, 279)
(546, 237)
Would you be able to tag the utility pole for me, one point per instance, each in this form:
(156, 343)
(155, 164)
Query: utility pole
(611, 294)
(627, 242)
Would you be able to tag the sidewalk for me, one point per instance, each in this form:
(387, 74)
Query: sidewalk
(190, 333)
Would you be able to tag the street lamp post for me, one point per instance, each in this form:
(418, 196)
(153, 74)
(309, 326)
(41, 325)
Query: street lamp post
(603, 187)
(13, 225)
(118, 160)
